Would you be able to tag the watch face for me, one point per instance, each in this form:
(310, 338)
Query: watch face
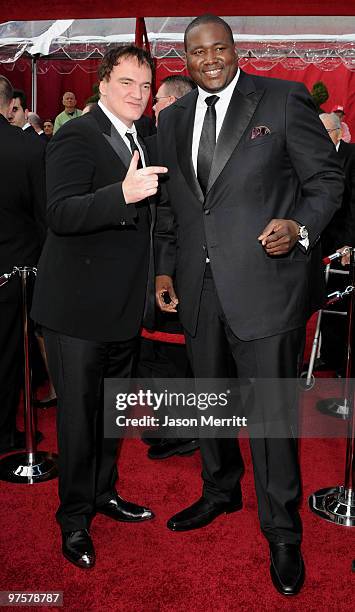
(303, 232)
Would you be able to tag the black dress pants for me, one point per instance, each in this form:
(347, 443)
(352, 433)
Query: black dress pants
(11, 367)
(275, 460)
(87, 461)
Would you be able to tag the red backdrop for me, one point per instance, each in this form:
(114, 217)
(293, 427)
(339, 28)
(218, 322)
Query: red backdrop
(52, 84)
(81, 9)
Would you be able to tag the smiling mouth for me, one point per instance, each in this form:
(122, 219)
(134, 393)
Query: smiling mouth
(214, 72)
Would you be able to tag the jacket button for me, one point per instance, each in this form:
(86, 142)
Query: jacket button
(204, 247)
(207, 211)
(87, 260)
(122, 222)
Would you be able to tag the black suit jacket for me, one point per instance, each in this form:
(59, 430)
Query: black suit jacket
(291, 173)
(22, 202)
(92, 278)
(341, 229)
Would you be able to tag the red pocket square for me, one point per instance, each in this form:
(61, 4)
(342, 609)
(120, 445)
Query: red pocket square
(259, 130)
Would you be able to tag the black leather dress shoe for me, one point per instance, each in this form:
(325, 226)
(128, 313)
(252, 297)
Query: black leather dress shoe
(333, 406)
(78, 548)
(125, 511)
(201, 513)
(149, 440)
(168, 448)
(287, 567)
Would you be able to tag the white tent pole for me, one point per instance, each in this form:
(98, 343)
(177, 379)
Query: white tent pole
(34, 83)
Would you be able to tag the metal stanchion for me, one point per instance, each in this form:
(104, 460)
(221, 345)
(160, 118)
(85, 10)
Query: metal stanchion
(30, 466)
(337, 504)
(307, 378)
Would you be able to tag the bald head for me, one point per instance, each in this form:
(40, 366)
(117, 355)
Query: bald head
(6, 96)
(332, 124)
(69, 101)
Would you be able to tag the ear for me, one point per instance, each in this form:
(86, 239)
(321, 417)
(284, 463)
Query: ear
(10, 107)
(103, 87)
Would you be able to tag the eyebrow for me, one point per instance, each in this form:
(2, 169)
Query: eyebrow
(214, 44)
(123, 78)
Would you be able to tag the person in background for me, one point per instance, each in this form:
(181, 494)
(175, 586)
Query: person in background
(345, 132)
(88, 107)
(340, 232)
(36, 122)
(171, 89)
(166, 358)
(22, 233)
(48, 125)
(70, 111)
(18, 115)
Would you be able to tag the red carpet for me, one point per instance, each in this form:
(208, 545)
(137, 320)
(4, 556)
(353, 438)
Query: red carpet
(223, 567)
(146, 568)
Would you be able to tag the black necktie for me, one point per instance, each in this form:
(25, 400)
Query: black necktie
(207, 143)
(134, 147)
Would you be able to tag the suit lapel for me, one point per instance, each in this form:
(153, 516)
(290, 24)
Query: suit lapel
(110, 133)
(342, 154)
(184, 127)
(242, 106)
(118, 145)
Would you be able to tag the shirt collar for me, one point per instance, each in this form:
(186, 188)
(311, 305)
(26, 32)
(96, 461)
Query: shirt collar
(118, 124)
(337, 145)
(27, 125)
(224, 95)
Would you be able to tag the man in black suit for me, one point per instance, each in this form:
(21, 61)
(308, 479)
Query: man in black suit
(22, 233)
(94, 286)
(18, 115)
(253, 180)
(339, 232)
(166, 358)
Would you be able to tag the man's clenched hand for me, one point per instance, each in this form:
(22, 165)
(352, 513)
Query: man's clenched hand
(279, 236)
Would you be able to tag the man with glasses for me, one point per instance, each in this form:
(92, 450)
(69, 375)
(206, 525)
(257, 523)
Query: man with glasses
(171, 89)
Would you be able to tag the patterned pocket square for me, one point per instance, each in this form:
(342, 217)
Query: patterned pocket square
(259, 130)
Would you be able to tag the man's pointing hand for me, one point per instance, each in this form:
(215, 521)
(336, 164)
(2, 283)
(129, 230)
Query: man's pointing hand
(140, 183)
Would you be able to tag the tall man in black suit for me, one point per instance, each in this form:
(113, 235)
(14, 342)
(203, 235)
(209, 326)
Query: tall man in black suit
(253, 180)
(93, 285)
(22, 233)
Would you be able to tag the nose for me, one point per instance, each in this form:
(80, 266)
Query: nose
(136, 91)
(210, 56)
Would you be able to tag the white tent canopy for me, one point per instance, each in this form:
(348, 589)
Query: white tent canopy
(300, 40)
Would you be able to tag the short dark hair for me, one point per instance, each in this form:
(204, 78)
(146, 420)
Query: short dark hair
(113, 56)
(18, 93)
(178, 85)
(6, 91)
(208, 18)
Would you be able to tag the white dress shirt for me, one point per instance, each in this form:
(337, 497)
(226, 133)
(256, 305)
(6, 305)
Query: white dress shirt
(122, 129)
(221, 107)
